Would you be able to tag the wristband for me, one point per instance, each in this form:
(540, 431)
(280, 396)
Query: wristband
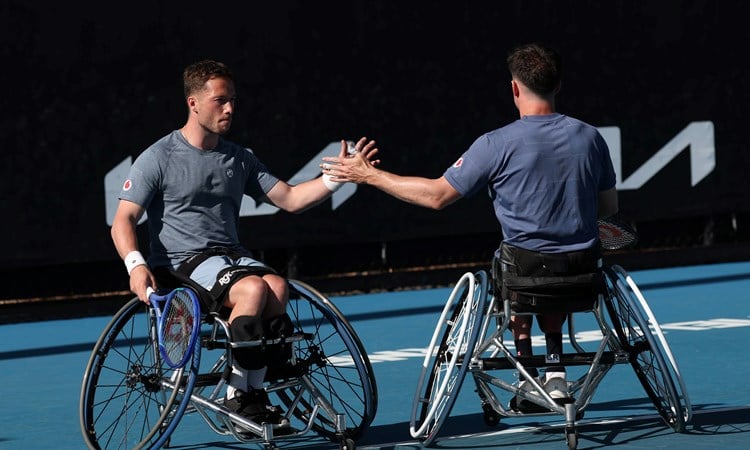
(133, 260)
(332, 186)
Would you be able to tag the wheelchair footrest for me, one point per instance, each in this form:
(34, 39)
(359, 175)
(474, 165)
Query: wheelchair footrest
(569, 359)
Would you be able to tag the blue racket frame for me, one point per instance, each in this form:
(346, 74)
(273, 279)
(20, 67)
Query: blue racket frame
(160, 303)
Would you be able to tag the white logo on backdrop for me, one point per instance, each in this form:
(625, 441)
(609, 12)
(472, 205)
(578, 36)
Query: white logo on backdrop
(696, 137)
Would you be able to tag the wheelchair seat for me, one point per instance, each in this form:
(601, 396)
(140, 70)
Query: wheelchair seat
(536, 282)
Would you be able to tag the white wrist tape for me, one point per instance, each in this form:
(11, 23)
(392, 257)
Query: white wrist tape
(332, 186)
(133, 260)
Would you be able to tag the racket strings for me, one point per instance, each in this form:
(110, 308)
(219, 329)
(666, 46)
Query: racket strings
(178, 326)
(615, 236)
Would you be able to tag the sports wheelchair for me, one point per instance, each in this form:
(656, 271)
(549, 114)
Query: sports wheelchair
(131, 399)
(471, 337)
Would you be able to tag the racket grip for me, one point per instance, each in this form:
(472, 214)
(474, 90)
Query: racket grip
(149, 292)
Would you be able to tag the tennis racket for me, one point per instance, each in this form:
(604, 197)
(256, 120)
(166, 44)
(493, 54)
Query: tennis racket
(178, 316)
(616, 234)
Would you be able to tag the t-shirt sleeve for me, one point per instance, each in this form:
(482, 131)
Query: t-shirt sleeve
(143, 180)
(259, 179)
(471, 172)
(608, 179)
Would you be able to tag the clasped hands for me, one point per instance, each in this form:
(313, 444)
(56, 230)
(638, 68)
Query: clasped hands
(351, 167)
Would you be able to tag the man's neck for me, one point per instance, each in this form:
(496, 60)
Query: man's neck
(536, 108)
(198, 137)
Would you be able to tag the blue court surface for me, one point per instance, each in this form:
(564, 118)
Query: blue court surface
(703, 310)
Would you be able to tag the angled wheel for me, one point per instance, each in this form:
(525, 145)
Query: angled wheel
(448, 354)
(336, 363)
(129, 398)
(650, 355)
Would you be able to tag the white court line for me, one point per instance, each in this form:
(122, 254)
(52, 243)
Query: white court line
(583, 336)
(538, 341)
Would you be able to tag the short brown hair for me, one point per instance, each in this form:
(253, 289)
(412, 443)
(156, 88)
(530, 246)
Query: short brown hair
(197, 74)
(538, 67)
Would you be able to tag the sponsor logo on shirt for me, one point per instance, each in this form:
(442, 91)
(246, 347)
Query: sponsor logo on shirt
(128, 184)
(458, 162)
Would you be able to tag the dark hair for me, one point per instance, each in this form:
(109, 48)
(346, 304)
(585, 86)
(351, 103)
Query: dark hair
(538, 67)
(197, 74)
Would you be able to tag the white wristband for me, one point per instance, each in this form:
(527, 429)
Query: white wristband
(332, 186)
(133, 260)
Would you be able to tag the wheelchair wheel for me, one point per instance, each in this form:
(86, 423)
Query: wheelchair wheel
(129, 398)
(640, 335)
(447, 360)
(337, 364)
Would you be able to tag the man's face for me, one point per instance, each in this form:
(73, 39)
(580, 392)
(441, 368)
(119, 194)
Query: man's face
(214, 105)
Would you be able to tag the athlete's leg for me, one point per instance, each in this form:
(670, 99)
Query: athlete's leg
(521, 327)
(555, 377)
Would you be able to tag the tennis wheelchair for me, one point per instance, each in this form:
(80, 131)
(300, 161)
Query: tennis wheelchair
(470, 337)
(130, 398)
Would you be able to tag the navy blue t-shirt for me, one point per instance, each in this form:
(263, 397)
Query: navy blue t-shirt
(544, 174)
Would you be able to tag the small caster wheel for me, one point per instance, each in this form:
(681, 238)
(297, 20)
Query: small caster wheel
(347, 444)
(571, 436)
(490, 416)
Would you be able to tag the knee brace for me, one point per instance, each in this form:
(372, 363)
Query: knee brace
(278, 327)
(248, 328)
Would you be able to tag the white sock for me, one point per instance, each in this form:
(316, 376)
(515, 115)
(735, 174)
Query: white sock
(550, 375)
(237, 380)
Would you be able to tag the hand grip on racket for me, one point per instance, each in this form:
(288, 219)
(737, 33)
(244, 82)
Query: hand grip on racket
(177, 323)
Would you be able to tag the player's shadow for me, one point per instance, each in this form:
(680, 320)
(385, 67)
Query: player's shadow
(469, 431)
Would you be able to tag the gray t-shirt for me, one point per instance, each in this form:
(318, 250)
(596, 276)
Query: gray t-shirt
(193, 196)
(544, 175)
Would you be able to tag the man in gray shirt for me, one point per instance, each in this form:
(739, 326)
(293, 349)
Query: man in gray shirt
(191, 183)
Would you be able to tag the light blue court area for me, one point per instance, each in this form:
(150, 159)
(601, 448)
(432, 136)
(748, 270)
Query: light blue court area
(703, 310)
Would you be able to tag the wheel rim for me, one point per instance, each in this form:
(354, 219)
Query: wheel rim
(125, 402)
(646, 351)
(337, 365)
(458, 328)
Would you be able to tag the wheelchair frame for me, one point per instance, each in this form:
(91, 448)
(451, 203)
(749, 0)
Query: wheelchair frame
(131, 399)
(463, 343)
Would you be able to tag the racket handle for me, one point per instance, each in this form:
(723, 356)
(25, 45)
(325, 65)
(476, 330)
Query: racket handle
(149, 292)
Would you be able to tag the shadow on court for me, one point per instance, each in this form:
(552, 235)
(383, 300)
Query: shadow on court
(470, 432)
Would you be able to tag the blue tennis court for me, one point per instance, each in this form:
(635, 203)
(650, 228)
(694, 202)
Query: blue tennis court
(703, 310)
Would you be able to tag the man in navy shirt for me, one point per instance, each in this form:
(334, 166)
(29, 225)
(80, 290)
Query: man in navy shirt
(550, 177)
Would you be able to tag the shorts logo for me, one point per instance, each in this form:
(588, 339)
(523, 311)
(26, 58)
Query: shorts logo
(128, 184)
(227, 277)
(458, 162)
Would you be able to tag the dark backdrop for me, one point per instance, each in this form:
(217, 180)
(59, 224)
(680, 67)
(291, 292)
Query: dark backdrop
(87, 84)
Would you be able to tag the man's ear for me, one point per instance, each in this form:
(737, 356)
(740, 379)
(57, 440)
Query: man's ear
(192, 102)
(516, 89)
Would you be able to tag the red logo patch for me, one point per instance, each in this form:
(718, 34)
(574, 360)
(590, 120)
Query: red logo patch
(458, 162)
(128, 184)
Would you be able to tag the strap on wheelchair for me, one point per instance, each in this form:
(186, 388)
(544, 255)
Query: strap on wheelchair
(548, 282)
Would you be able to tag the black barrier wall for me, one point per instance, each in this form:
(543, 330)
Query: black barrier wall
(88, 86)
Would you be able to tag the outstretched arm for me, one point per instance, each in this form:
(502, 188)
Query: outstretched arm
(431, 193)
(302, 196)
